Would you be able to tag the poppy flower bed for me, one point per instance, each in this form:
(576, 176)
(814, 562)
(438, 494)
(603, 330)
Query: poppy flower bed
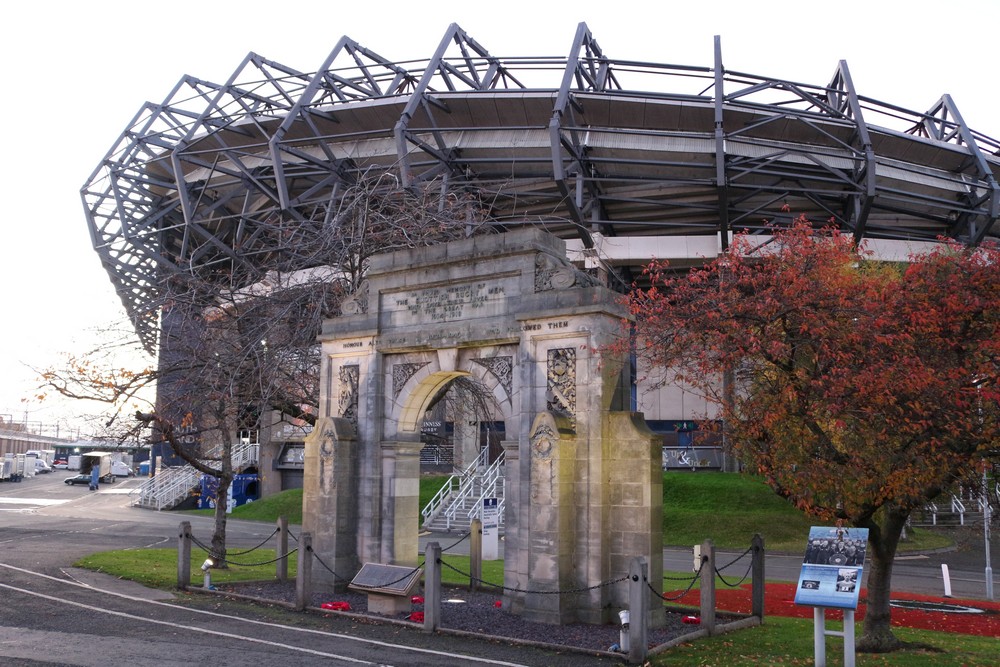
(971, 617)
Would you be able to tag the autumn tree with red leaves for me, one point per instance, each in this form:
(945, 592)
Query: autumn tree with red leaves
(860, 390)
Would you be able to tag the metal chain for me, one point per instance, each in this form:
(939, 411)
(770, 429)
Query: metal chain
(744, 578)
(718, 570)
(460, 540)
(203, 547)
(210, 552)
(325, 566)
(522, 590)
(735, 560)
(252, 549)
(390, 583)
(266, 562)
(687, 590)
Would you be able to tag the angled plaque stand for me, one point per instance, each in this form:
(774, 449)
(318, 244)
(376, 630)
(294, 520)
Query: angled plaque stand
(389, 587)
(831, 578)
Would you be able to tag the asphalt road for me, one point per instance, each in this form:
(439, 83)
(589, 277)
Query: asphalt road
(54, 614)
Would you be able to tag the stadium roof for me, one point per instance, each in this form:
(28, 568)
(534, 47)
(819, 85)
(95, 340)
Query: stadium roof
(587, 145)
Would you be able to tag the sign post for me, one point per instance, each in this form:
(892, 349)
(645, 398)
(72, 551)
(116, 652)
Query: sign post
(831, 578)
(491, 528)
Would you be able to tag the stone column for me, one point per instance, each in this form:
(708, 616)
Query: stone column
(515, 552)
(330, 499)
(400, 502)
(551, 532)
(635, 508)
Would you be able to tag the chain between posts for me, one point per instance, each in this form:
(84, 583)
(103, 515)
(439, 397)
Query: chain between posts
(691, 583)
(718, 570)
(266, 562)
(390, 583)
(207, 549)
(325, 566)
(252, 549)
(459, 541)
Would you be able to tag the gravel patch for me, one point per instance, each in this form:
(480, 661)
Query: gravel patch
(477, 612)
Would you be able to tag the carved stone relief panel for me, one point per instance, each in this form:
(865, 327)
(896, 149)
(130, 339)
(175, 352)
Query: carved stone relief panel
(356, 303)
(348, 404)
(502, 368)
(560, 394)
(553, 273)
(401, 374)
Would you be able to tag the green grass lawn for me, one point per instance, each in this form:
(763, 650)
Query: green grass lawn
(289, 503)
(789, 641)
(723, 507)
(726, 508)
(780, 641)
(157, 568)
(729, 508)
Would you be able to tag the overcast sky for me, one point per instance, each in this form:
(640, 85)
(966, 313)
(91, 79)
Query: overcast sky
(76, 73)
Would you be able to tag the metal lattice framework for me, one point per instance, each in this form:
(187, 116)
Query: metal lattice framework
(585, 145)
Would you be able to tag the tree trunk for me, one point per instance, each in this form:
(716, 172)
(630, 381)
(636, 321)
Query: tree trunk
(219, 534)
(876, 635)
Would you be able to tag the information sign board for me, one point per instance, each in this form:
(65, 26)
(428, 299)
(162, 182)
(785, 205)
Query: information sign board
(832, 567)
(491, 528)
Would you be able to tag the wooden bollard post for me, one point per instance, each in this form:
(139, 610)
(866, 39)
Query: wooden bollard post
(303, 578)
(432, 587)
(281, 568)
(184, 555)
(757, 576)
(708, 586)
(475, 554)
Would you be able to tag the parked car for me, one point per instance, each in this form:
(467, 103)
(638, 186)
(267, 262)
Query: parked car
(60, 464)
(41, 466)
(78, 479)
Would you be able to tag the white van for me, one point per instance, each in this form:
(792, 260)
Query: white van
(121, 469)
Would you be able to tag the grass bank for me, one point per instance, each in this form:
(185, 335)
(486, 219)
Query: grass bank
(723, 507)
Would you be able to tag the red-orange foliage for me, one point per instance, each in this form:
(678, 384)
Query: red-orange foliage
(861, 390)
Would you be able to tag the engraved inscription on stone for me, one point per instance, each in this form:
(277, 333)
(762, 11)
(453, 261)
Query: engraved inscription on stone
(390, 579)
(448, 303)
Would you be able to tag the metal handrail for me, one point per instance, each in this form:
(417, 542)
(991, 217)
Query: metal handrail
(171, 484)
(476, 512)
(433, 508)
(958, 507)
(487, 484)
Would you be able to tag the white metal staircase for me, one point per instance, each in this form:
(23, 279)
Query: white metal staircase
(968, 507)
(172, 484)
(460, 500)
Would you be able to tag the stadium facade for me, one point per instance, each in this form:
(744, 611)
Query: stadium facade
(624, 160)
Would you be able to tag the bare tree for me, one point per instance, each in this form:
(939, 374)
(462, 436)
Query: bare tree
(237, 341)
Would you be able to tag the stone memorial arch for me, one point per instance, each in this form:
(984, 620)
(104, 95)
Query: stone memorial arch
(583, 476)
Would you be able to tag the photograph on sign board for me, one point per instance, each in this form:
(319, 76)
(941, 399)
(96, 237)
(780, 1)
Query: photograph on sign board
(832, 567)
